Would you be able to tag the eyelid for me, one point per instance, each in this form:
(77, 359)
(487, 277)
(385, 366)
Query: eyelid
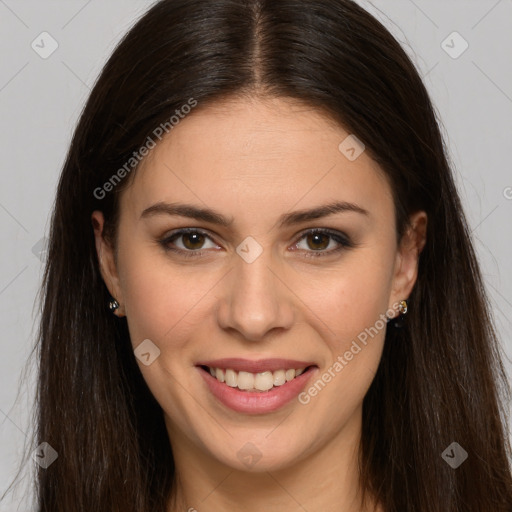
(183, 231)
(339, 237)
(343, 240)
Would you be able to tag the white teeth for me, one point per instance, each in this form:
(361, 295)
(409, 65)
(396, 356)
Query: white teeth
(247, 381)
(290, 374)
(279, 377)
(264, 381)
(219, 374)
(231, 378)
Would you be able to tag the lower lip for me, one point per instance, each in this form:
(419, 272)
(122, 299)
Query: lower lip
(257, 402)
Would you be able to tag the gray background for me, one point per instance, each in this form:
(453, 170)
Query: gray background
(40, 100)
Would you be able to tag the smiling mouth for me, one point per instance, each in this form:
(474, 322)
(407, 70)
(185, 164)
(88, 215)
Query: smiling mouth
(255, 382)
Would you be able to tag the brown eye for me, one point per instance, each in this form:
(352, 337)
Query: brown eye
(317, 241)
(188, 242)
(321, 242)
(193, 240)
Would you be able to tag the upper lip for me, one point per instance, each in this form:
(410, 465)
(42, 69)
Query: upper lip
(262, 365)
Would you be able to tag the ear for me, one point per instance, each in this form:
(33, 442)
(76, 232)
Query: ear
(107, 263)
(407, 258)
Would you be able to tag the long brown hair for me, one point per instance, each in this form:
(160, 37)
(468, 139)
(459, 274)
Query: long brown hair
(441, 378)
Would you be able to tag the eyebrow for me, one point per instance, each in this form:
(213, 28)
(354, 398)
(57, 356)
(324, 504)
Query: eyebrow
(213, 217)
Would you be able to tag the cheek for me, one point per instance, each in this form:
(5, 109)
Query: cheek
(165, 303)
(154, 295)
(355, 298)
(353, 306)
(339, 388)
(162, 299)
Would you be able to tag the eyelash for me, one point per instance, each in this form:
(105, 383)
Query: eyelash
(343, 241)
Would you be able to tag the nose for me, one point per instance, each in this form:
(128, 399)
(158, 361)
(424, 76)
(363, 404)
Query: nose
(256, 299)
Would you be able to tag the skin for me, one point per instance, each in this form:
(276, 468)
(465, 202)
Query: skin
(254, 160)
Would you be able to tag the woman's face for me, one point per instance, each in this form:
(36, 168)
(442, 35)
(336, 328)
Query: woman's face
(255, 296)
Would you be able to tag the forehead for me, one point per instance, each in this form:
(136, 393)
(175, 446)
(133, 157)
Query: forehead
(255, 152)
